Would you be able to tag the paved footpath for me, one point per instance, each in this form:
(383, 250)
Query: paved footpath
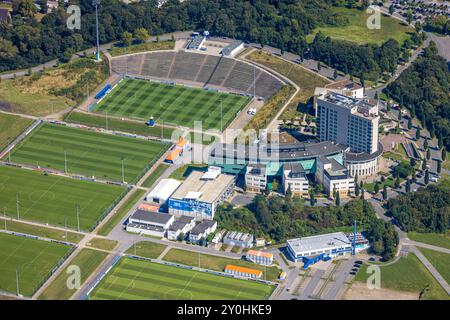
(432, 269)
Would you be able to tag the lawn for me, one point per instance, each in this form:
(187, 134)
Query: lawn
(53, 89)
(408, 274)
(103, 244)
(88, 260)
(159, 170)
(13, 99)
(121, 212)
(305, 79)
(49, 233)
(146, 249)
(53, 199)
(10, 127)
(138, 280)
(142, 47)
(388, 182)
(123, 125)
(358, 32)
(435, 239)
(217, 263)
(177, 105)
(440, 260)
(88, 153)
(32, 260)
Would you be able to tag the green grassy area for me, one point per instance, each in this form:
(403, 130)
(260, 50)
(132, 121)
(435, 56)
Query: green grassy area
(121, 212)
(142, 47)
(54, 199)
(178, 105)
(305, 79)
(10, 127)
(184, 171)
(440, 260)
(103, 244)
(159, 170)
(53, 89)
(146, 249)
(435, 239)
(87, 152)
(87, 260)
(138, 280)
(15, 100)
(6, 224)
(217, 263)
(29, 259)
(124, 125)
(389, 182)
(407, 274)
(358, 32)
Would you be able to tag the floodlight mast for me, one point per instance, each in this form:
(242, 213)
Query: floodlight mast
(96, 3)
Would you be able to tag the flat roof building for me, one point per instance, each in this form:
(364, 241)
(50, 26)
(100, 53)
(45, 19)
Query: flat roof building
(243, 272)
(332, 244)
(149, 223)
(163, 190)
(239, 239)
(260, 257)
(182, 225)
(201, 193)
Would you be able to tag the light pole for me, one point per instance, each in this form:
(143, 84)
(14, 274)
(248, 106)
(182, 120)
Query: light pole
(123, 171)
(78, 217)
(96, 3)
(17, 206)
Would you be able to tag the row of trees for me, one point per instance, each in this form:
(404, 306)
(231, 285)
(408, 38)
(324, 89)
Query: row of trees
(280, 218)
(423, 88)
(283, 24)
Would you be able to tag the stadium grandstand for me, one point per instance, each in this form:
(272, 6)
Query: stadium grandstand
(205, 70)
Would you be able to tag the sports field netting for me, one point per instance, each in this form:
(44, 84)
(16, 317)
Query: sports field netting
(33, 260)
(135, 279)
(87, 153)
(177, 105)
(54, 199)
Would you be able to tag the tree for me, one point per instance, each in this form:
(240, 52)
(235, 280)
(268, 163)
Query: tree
(410, 123)
(397, 183)
(424, 164)
(319, 66)
(439, 166)
(409, 16)
(181, 237)
(428, 154)
(126, 38)
(362, 194)
(444, 154)
(384, 192)
(7, 50)
(412, 162)
(425, 144)
(408, 186)
(427, 177)
(335, 74)
(388, 106)
(24, 8)
(418, 27)
(338, 199)
(418, 133)
(141, 34)
(357, 189)
(391, 9)
(376, 187)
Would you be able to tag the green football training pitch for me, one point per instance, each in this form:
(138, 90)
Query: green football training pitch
(53, 199)
(87, 153)
(173, 104)
(135, 279)
(29, 260)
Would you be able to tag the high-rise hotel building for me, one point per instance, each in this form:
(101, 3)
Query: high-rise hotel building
(349, 121)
